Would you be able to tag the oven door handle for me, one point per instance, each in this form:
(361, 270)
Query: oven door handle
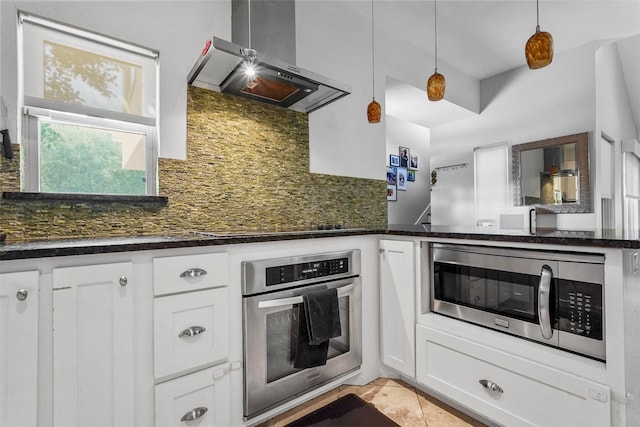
(342, 291)
(544, 291)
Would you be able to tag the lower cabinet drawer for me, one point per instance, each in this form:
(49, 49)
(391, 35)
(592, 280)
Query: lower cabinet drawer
(190, 330)
(508, 389)
(201, 399)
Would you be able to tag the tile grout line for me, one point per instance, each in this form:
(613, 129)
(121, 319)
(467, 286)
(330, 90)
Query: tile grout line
(424, 420)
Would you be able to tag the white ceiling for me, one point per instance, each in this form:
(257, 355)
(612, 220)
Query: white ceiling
(485, 38)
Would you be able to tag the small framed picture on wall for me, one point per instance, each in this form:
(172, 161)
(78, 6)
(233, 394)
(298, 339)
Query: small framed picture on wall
(394, 160)
(405, 153)
(413, 163)
(401, 178)
(392, 173)
(392, 195)
(411, 175)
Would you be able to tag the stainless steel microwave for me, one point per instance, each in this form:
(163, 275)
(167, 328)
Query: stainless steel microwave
(555, 298)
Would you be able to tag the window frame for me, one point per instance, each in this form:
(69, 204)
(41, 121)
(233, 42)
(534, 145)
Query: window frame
(31, 133)
(34, 108)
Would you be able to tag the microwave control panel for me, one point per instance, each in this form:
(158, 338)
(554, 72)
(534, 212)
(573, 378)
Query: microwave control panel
(580, 308)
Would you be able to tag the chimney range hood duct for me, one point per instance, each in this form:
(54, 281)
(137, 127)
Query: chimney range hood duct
(222, 65)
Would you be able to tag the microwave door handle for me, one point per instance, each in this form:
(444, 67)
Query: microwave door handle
(532, 221)
(281, 302)
(544, 291)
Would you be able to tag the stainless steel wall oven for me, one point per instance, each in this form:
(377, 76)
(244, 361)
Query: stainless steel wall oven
(273, 291)
(555, 298)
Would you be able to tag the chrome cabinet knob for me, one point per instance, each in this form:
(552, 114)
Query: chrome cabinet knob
(123, 281)
(22, 294)
(490, 385)
(194, 414)
(381, 250)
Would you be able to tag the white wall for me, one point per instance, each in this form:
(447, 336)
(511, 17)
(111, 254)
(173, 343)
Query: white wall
(412, 202)
(178, 29)
(629, 51)
(614, 118)
(518, 106)
(452, 196)
(334, 39)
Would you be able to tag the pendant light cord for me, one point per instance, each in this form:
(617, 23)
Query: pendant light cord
(435, 28)
(537, 15)
(373, 57)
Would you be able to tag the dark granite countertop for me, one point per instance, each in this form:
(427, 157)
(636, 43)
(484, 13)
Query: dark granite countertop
(88, 246)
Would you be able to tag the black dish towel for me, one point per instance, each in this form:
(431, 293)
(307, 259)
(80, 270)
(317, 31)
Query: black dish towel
(317, 317)
(305, 355)
(323, 315)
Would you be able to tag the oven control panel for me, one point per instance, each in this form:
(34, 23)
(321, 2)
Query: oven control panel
(306, 270)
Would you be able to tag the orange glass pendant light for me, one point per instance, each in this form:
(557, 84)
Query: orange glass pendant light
(374, 110)
(539, 48)
(436, 83)
(435, 86)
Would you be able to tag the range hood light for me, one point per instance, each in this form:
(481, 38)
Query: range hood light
(249, 69)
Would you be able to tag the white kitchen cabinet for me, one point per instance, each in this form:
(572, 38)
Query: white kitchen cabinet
(397, 301)
(190, 330)
(19, 349)
(191, 340)
(505, 388)
(93, 345)
(200, 398)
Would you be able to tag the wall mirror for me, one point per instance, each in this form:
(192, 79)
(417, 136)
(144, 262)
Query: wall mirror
(553, 173)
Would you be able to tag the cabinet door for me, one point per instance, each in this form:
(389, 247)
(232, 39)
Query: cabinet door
(397, 301)
(19, 349)
(93, 356)
(201, 399)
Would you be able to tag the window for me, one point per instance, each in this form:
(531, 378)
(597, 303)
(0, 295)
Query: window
(89, 107)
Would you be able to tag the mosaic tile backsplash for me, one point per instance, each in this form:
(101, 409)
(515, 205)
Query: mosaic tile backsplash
(247, 168)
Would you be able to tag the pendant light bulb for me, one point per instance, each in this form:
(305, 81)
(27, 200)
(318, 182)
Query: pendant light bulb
(539, 47)
(436, 83)
(374, 110)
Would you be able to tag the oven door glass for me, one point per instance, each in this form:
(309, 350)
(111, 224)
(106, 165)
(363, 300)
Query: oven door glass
(510, 294)
(281, 339)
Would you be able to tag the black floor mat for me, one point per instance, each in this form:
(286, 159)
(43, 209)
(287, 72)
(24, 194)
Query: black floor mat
(348, 411)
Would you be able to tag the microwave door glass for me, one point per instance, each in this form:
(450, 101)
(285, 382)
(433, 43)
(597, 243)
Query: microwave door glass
(512, 295)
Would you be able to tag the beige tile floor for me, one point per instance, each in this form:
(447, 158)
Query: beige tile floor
(399, 401)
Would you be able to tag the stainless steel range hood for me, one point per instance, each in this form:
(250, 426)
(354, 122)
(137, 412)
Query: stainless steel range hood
(222, 64)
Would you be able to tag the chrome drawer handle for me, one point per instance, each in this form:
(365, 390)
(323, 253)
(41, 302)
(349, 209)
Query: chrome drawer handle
(194, 414)
(192, 331)
(193, 272)
(490, 385)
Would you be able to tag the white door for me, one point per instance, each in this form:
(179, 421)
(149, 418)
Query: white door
(19, 349)
(631, 188)
(397, 301)
(93, 345)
